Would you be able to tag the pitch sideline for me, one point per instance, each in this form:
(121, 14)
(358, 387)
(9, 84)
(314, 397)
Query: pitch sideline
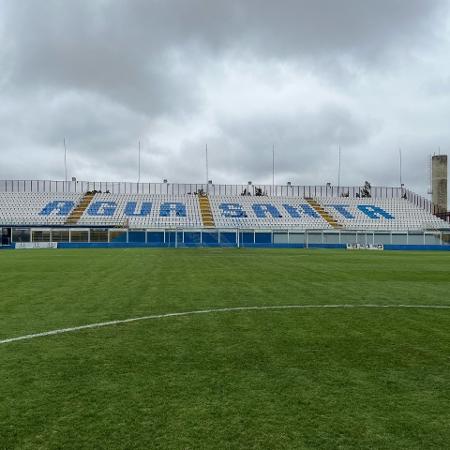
(209, 311)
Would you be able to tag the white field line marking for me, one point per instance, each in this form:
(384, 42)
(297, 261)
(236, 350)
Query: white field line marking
(208, 311)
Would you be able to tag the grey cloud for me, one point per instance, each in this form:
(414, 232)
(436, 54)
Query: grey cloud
(305, 146)
(106, 73)
(88, 121)
(123, 49)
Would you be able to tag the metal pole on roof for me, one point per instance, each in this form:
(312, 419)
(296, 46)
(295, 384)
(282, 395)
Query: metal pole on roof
(339, 167)
(207, 169)
(65, 160)
(139, 163)
(400, 165)
(273, 167)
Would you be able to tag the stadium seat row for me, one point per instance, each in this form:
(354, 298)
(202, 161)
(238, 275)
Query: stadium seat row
(184, 211)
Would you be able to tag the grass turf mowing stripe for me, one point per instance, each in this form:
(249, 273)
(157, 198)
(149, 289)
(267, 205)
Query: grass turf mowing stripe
(207, 311)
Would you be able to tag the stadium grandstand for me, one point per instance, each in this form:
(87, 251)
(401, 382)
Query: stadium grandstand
(163, 214)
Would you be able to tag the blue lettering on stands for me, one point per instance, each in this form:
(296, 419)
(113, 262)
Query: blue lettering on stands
(374, 212)
(62, 208)
(232, 210)
(172, 208)
(295, 212)
(130, 209)
(102, 209)
(342, 209)
(261, 210)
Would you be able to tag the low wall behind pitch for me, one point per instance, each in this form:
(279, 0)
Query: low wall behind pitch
(112, 245)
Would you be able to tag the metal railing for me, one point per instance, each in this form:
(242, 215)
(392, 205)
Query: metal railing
(423, 203)
(50, 186)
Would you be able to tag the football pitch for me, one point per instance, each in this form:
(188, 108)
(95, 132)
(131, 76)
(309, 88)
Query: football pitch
(359, 359)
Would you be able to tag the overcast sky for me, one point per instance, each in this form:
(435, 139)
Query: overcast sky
(240, 76)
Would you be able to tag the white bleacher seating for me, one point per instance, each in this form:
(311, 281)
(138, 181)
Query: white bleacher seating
(305, 221)
(25, 208)
(153, 219)
(406, 216)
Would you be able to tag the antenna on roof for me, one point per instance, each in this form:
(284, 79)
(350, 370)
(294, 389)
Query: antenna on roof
(65, 160)
(139, 162)
(273, 166)
(339, 167)
(207, 168)
(430, 184)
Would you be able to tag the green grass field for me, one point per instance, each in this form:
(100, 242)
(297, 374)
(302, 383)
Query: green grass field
(273, 379)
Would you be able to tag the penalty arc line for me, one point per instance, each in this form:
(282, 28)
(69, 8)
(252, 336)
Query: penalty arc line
(211, 311)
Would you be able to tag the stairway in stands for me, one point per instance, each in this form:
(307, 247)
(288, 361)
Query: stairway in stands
(205, 210)
(78, 211)
(324, 214)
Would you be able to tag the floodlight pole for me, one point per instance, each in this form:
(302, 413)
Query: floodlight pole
(139, 163)
(207, 168)
(339, 167)
(400, 165)
(273, 168)
(65, 160)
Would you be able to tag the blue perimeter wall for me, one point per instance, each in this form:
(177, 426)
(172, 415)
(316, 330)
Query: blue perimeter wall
(233, 245)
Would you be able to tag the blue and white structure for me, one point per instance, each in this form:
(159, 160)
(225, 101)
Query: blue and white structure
(155, 216)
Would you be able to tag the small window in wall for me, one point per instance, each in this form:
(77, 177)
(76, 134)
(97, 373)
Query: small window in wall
(314, 238)
(79, 236)
(348, 238)
(5, 236)
(399, 239)
(297, 238)
(99, 235)
(155, 237)
(382, 238)
(280, 238)
(415, 238)
(21, 235)
(136, 236)
(361, 239)
(41, 235)
(432, 239)
(118, 236)
(60, 235)
(331, 238)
